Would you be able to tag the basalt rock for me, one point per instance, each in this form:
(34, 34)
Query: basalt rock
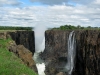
(88, 53)
(55, 53)
(23, 53)
(87, 60)
(25, 38)
(23, 41)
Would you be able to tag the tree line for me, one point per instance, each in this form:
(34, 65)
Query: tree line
(15, 28)
(63, 27)
(72, 27)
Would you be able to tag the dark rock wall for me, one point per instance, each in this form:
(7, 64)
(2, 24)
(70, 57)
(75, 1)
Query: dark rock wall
(23, 46)
(55, 53)
(87, 52)
(87, 60)
(25, 38)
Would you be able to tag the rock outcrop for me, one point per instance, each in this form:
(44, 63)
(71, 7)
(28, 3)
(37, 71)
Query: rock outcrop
(60, 73)
(23, 53)
(22, 41)
(25, 38)
(87, 61)
(4, 35)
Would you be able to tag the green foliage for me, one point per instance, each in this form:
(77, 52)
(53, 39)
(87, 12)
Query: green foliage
(71, 27)
(11, 64)
(15, 28)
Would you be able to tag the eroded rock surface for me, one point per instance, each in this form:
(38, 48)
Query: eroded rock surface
(55, 53)
(25, 38)
(88, 53)
(24, 54)
(4, 35)
(87, 60)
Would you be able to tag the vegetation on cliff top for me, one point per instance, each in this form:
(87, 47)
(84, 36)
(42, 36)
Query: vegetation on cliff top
(15, 28)
(11, 64)
(63, 27)
(71, 27)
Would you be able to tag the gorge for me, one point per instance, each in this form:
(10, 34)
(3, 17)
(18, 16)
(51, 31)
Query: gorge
(87, 59)
(39, 47)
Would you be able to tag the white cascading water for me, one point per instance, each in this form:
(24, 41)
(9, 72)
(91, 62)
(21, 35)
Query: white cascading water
(71, 52)
(39, 47)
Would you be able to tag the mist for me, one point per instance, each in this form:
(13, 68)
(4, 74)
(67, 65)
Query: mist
(39, 38)
(39, 47)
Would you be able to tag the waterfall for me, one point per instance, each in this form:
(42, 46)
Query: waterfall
(71, 52)
(39, 62)
(39, 47)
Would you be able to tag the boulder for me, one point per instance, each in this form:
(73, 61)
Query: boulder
(60, 73)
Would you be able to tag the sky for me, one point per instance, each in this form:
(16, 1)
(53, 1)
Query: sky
(50, 13)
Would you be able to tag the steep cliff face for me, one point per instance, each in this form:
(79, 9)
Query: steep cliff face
(25, 38)
(88, 53)
(55, 53)
(87, 61)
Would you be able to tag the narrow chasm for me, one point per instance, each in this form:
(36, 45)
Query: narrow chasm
(39, 48)
(63, 52)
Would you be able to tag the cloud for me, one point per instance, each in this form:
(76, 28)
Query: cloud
(10, 2)
(97, 2)
(51, 16)
(82, 1)
(51, 2)
(64, 2)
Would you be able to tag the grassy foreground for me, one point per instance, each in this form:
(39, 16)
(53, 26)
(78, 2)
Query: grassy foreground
(11, 64)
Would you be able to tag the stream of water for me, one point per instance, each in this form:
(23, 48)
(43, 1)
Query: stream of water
(71, 52)
(39, 47)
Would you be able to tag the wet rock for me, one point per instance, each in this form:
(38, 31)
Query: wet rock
(87, 61)
(55, 53)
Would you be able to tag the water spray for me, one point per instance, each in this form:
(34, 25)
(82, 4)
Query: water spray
(39, 47)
